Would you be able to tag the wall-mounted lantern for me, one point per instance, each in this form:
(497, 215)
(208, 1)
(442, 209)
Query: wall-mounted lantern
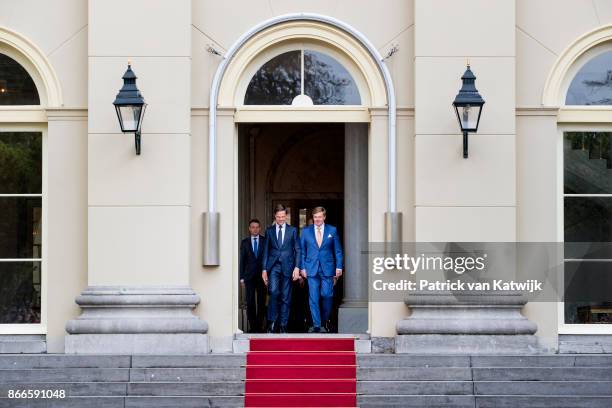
(130, 106)
(468, 107)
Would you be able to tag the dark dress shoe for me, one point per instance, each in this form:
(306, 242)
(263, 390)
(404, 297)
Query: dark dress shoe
(314, 330)
(271, 327)
(323, 330)
(283, 329)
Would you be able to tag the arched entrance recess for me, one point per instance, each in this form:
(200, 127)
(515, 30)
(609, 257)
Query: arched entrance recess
(313, 28)
(373, 121)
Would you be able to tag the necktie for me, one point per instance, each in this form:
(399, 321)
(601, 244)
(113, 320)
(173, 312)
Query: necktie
(255, 246)
(280, 235)
(319, 237)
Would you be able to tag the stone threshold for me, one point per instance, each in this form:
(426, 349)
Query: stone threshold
(363, 342)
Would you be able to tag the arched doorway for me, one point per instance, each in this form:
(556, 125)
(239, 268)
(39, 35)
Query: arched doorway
(373, 121)
(302, 165)
(299, 165)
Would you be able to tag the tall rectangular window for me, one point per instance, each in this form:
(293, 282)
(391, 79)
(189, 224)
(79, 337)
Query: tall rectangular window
(587, 179)
(21, 243)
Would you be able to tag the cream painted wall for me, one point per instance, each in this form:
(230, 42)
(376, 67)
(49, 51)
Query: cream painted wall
(538, 44)
(139, 206)
(470, 199)
(66, 222)
(59, 29)
(383, 26)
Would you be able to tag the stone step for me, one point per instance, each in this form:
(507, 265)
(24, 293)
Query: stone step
(572, 388)
(183, 402)
(415, 387)
(225, 388)
(414, 374)
(81, 389)
(406, 360)
(558, 360)
(74, 402)
(198, 361)
(20, 361)
(543, 402)
(186, 374)
(72, 375)
(542, 374)
(125, 402)
(420, 401)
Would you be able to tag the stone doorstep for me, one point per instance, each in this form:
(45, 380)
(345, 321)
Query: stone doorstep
(363, 343)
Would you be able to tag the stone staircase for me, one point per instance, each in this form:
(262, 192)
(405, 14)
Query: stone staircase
(383, 380)
(484, 381)
(125, 381)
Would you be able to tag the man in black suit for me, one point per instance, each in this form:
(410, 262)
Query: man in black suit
(281, 264)
(251, 256)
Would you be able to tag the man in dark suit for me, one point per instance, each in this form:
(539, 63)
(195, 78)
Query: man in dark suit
(322, 260)
(251, 256)
(281, 261)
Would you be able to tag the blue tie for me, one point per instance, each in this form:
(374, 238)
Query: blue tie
(280, 235)
(255, 246)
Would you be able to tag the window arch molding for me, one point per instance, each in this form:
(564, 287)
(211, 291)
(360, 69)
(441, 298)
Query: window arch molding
(571, 60)
(280, 38)
(34, 61)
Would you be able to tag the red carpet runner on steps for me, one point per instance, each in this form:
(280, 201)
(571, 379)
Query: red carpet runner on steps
(301, 372)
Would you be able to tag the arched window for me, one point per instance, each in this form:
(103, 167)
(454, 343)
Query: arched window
(16, 85)
(302, 77)
(21, 200)
(592, 85)
(587, 191)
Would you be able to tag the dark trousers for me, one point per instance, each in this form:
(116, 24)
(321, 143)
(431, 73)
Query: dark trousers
(279, 289)
(255, 302)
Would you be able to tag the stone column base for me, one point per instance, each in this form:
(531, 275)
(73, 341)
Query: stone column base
(137, 320)
(352, 319)
(466, 344)
(142, 343)
(468, 324)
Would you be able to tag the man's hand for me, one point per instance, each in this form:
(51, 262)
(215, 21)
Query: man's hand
(338, 273)
(303, 273)
(264, 276)
(242, 282)
(296, 273)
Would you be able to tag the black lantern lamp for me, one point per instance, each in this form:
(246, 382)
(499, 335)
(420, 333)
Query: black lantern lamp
(468, 107)
(130, 106)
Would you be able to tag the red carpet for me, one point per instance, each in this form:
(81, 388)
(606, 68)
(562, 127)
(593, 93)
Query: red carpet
(303, 372)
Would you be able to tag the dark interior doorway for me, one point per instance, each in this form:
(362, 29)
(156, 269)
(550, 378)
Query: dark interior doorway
(299, 165)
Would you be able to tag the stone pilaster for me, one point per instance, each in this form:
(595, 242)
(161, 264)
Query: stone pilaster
(353, 313)
(138, 298)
